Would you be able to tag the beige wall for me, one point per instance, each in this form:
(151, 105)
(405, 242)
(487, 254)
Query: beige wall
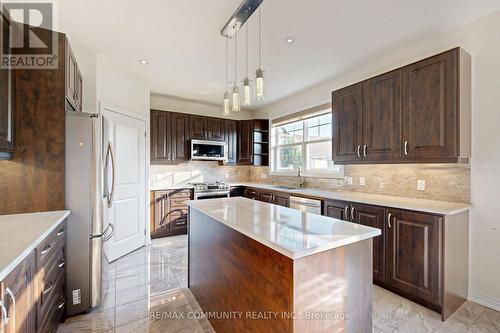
(481, 40)
(169, 103)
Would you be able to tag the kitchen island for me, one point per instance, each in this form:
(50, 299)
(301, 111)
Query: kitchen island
(259, 267)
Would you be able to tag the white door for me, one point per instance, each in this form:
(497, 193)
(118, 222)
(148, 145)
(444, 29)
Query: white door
(124, 158)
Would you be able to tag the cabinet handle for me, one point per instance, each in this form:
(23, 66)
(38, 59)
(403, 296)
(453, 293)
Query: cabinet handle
(346, 214)
(60, 233)
(46, 291)
(364, 150)
(181, 223)
(359, 150)
(45, 250)
(62, 263)
(406, 147)
(11, 294)
(352, 213)
(62, 304)
(389, 220)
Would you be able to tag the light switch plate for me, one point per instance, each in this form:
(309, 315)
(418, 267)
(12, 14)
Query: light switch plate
(421, 185)
(362, 181)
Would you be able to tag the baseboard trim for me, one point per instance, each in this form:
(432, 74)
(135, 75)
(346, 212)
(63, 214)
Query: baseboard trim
(488, 301)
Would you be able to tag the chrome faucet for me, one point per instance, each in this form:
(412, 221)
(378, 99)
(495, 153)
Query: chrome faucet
(301, 179)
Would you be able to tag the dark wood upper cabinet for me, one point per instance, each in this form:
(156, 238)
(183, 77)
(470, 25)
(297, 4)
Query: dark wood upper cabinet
(433, 105)
(231, 137)
(179, 138)
(414, 255)
(160, 137)
(169, 137)
(419, 113)
(245, 142)
(198, 127)
(382, 117)
(347, 112)
(74, 80)
(215, 129)
(374, 217)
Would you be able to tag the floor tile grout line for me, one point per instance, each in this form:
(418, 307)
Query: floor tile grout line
(475, 321)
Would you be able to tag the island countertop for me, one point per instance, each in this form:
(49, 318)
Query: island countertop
(291, 232)
(20, 234)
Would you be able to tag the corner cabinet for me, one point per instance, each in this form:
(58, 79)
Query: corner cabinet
(169, 137)
(421, 256)
(253, 142)
(419, 113)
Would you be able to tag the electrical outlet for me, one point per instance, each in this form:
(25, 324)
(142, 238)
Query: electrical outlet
(420, 185)
(349, 180)
(362, 181)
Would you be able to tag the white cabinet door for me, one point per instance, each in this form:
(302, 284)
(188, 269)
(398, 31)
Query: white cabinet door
(124, 147)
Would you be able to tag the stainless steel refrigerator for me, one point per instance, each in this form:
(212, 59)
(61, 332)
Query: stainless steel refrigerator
(89, 186)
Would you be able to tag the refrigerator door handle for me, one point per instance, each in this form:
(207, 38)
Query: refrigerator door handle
(110, 196)
(103, 234)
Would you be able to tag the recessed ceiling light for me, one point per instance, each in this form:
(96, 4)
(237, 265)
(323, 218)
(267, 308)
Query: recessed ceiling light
(144, 61)
(289, 40)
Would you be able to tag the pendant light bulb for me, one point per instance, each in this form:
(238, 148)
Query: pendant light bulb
(227, 109)
(236, 99)
(259, 84)
(246, 92)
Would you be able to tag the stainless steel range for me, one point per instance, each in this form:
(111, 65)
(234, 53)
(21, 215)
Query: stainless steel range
(210, 190)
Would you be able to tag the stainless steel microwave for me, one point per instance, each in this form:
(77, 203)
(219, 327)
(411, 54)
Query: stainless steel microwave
(208, 150)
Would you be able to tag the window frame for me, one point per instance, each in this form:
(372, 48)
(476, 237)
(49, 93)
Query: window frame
(337, 172)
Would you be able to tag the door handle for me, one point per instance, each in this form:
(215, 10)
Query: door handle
(352, 213)
(359, 150)
(111, 195)
(11, 294)
(406, 147)
(45, 250)
(364, 150)
(111, 234)
(346, 214)
(389, 220)
(49, 288)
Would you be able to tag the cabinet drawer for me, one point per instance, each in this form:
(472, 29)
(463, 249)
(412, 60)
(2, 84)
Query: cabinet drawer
(50, 245)
(178, 213)
(51, 300)
(50, 277)
(53, 313)
(175, 194)
(179, 202)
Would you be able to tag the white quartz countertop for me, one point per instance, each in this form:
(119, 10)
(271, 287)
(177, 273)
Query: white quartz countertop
(291, 232)
(422, 205)
(20, 234)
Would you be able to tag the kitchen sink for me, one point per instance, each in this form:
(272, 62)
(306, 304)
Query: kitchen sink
(284, 187)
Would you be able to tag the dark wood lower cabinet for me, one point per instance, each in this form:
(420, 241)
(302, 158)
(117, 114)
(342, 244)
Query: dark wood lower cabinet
(266, 196)
(414, 255)
(374, 217)
(33, 292)
(269, 196)
(281, 199)
(336, 209)
(169, 212)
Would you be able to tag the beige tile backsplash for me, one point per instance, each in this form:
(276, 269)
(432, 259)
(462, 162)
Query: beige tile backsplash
(196, 171)
(444, 182)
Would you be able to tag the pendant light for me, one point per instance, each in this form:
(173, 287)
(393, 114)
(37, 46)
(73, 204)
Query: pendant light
(259, 74)
(246, 81)
(236, 93)
(227, 110)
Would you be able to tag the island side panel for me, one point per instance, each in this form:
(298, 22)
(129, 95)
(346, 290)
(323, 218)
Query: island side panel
(229, 271)
(332, 283)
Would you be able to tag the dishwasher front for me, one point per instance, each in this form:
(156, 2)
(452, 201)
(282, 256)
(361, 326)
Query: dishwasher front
(306, 204)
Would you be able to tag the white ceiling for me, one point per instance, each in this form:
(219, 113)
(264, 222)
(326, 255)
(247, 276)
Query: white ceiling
(186, 53)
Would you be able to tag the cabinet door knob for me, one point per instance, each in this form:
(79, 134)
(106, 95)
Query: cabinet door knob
(406, 147)
(389, 220)
(359, 150)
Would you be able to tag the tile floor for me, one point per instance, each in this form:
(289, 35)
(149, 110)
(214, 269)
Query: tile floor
(144, 285)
